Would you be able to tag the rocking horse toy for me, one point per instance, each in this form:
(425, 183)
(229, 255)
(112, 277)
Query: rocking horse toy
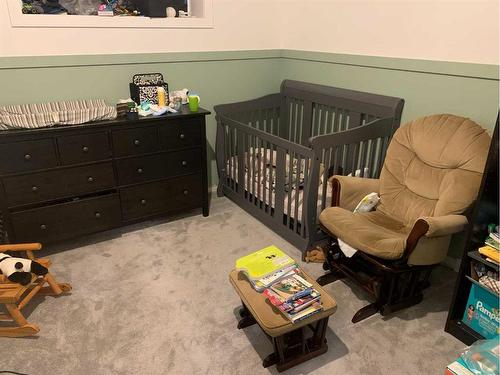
(20, 280)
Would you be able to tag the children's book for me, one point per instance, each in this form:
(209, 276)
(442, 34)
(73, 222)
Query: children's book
(306, 313)
(490, 252)
(261, 284)
(300, 304)
(292, 288)
(491, 242)
(264, 262)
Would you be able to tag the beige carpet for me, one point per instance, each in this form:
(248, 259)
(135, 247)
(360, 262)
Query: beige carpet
(155, 299)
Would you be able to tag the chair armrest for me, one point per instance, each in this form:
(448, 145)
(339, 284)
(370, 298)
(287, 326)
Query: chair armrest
(348, 191)
(444, 225)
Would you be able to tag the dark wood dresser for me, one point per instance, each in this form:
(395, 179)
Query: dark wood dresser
(63, 182)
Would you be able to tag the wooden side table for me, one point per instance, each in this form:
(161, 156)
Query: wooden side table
(293, 343)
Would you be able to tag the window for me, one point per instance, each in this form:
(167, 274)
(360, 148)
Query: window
(200, 10)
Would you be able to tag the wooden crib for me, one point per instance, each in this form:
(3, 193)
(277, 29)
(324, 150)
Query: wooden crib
(276, 153)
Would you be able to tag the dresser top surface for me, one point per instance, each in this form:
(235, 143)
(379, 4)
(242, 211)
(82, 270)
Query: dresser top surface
(184, 113)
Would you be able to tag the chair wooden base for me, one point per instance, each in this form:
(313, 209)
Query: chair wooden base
(393, 286)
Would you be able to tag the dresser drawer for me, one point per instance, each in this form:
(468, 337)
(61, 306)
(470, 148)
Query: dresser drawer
(25, 156)
(84, 148)
(60, 183)
(66, 220)
(152, 167)
(135, 141)
(180, 135)
(171, 195)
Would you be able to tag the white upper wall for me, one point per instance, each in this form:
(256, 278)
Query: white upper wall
(466, 31)
(449, 30)
(238, 25)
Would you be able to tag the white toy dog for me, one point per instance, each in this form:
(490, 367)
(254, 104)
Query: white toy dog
(19, 270)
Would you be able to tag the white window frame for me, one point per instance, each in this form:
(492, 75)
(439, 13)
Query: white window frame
(200, 9)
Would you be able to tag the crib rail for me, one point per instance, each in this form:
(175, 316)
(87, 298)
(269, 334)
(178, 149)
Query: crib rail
(311, 110)
(359, 151)
(268, 176)
(262, 113)
(276, 153)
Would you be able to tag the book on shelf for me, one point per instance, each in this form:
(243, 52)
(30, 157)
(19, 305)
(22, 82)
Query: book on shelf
(491, 242)
(264, 263)
(490, 253)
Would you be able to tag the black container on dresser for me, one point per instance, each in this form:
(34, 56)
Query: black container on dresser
(62, 182)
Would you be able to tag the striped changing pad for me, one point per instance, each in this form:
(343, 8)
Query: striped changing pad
(72, 112)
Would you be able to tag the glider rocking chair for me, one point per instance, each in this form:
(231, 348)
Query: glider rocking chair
(430, 178)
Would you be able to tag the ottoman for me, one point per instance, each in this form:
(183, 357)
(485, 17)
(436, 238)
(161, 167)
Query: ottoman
(293, 343)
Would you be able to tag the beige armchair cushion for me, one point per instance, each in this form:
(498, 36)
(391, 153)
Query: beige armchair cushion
(353, 189)
(432, 172)
(373, 232)
(433, 167)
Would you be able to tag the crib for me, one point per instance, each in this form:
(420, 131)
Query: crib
(275, 153)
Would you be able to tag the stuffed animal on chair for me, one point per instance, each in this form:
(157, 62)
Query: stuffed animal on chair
(19, 270)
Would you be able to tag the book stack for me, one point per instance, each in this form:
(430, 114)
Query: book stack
(294, 297)
(491, 250)
(273, 273)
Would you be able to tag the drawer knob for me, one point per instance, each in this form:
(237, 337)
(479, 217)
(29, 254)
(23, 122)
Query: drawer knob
(27, 157)
(90, 179)
(143, 202)
(184, 163)
(97, 215)
(185, 192)
(182, 136)
(85, 149)
(43, 227)
(34, 189)
(137, 142)
(140, 170)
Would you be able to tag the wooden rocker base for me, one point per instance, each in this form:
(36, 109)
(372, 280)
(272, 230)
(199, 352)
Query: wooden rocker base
(365, 312)
(393, 287)
(22, 331)
(292, 348)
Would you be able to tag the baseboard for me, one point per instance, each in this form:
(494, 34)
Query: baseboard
(452, 263)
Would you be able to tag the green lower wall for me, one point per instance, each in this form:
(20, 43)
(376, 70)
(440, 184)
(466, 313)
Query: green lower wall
(469, 90)
(428, 87)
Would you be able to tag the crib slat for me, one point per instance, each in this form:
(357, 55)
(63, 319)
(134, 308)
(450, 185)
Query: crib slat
(305, 194)
(298, 158)
(290, 190)
(324, 179)
(280, 184)
(240, 146)
(230, 157)
(249, 170)
(270, 178)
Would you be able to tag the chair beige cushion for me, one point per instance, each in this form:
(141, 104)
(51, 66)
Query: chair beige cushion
(268, 317)
(433, 169)
(373, 232)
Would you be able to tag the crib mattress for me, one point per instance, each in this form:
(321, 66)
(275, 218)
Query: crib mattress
(260, 186)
